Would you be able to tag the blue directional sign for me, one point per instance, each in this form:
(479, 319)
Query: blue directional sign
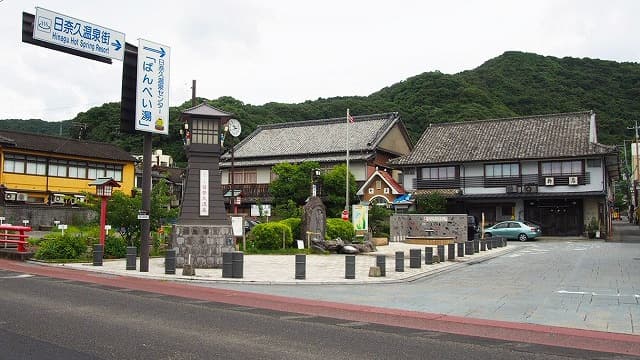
(80, 35)
(152, 87)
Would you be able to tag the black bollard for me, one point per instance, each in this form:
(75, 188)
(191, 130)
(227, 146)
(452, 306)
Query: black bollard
(301, 266)
(237, 260)
(98, 251)
(350, 267)
(227, 264)
(460, 249)
(490, 243)
(399, 261)
(170, 262)
(381, 263)
(441, 253)
(131, 257)
(476, 246)
(428, 255)
(415, 258)
(451, 252)
(483, 245)
(468, 247)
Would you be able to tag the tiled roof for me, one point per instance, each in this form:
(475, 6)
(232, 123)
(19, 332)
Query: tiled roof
(529, 137)
(324, 136)
(62, 146)
(206, 110)
(396, 189)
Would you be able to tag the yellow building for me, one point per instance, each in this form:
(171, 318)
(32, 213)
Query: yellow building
(44, 169)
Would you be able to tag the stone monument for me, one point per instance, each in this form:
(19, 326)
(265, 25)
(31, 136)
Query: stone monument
(314, 219)
(203, 230)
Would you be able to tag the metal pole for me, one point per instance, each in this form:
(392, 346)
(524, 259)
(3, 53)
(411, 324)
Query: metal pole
(145, 224)
(193, 93)
(103, 218)
(346, 206)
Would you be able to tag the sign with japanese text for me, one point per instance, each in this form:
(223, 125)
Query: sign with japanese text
(80, 35)
(204, 192)
(152, 88)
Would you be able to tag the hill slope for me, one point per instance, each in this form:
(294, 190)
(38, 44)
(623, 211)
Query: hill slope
(512, 84)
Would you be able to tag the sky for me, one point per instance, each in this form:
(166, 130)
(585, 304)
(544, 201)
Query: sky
(291, 51)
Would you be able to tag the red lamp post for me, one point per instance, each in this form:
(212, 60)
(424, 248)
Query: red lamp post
(104, 187)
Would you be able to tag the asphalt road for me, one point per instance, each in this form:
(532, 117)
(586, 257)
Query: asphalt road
(51, 318)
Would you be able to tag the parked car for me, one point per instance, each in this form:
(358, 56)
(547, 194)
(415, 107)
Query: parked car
(515, 230)
(472, 227)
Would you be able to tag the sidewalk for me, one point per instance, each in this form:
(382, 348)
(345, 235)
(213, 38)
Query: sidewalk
(320, 269)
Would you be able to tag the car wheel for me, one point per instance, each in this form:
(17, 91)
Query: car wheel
(487, 235)
(523, 237)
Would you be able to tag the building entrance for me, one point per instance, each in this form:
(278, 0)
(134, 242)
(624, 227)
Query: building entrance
(557, 217)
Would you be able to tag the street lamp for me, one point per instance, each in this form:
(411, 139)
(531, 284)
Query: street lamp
(104, 188)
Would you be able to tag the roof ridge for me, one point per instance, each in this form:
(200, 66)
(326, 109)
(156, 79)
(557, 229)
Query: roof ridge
(511, 118)
(337, 120)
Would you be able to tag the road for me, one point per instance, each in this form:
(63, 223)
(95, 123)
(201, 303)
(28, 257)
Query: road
(591, 285)
(52, 318)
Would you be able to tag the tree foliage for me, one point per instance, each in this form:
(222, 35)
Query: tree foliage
(433, 203)
(334, 189)
(293, 183)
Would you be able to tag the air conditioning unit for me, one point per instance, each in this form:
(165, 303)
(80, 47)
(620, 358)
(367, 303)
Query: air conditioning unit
(57, 199)
(530, 188)
(573, 180)
(10, 195)
(549, 181)
(512, 189)
(77, 199)
(22, 197)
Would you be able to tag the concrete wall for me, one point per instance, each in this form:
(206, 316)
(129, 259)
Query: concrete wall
(403, 225)
(46, 215)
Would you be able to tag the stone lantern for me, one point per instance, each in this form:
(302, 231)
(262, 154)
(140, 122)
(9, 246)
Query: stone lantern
(203, 229)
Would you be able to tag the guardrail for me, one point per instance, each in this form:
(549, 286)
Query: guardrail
(10, 234)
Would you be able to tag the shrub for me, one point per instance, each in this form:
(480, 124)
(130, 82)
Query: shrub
(294, 225)
(338, 228)
(115, 247)
(269, 236)
(69, 246)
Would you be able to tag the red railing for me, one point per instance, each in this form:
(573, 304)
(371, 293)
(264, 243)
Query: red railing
(10, 234)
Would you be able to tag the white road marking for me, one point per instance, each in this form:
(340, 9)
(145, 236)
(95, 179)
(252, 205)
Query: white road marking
(594, 293)
(16, 276)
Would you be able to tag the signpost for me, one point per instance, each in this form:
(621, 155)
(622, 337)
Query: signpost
(69, 32)
(152, 94)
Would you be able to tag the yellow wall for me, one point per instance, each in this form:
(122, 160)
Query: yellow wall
(38, 185)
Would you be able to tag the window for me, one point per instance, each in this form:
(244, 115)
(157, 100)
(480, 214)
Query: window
(77, 170)
(244, 176)
(501, 170)
(36, 165)
(378, 184)
(439, 173)
(14, 163)
(58, 168)
(573, 167)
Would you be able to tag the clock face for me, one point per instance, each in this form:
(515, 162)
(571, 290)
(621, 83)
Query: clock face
(234, 127)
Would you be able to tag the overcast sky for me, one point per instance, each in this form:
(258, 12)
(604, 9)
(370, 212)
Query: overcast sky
(291, 50)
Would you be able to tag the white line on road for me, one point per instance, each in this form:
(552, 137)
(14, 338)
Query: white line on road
(593, 293)
(16, 276)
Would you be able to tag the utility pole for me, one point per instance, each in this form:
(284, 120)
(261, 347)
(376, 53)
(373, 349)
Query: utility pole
(635, 170)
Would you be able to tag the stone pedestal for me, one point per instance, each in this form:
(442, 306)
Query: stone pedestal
(205, 244)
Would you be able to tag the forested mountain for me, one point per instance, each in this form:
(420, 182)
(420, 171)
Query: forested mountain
(513, 84)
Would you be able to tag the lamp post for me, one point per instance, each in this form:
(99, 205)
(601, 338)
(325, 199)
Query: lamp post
(104, 189)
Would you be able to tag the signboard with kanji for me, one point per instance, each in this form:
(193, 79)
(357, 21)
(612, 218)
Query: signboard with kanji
(152, 88)
(63, 30)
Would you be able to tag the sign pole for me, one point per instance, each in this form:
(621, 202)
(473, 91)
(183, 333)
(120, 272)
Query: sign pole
(145, 224)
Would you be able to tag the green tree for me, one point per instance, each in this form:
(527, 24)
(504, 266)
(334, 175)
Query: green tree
(334, 190)
(293, 182)
(433, 203)
(379, 220)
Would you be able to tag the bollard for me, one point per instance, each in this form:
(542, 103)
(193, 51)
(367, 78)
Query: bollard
(460, 249)
(381, 263)
(170, 262)
(237, 262)
(131, 257)
(98, 250)
(476, 246)
(428, 255)
(451, 252)
(227, 264)
(301, 266)
(400, 261)
(490, 243)
(483, 245)
(468, 248)
(415, 258)
(441, 252)
(350, 267)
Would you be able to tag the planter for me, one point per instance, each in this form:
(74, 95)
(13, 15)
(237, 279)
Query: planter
(380, 241)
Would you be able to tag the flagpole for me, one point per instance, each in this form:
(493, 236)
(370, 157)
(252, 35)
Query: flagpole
(346, 207)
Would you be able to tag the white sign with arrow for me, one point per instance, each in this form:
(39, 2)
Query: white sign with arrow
(152, 87)
(63, 30)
